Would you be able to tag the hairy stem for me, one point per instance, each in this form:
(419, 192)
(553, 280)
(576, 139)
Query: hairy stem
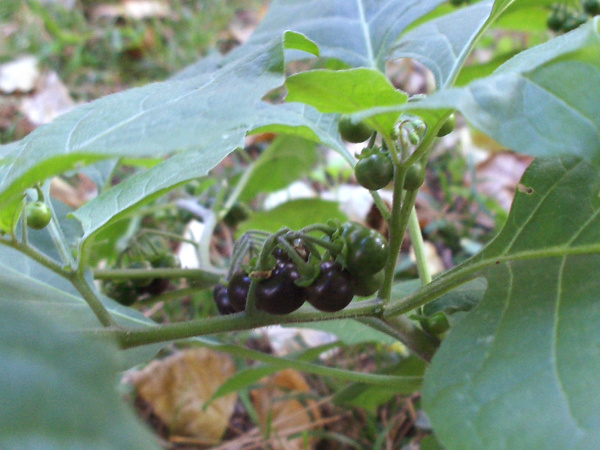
(234, 322)
(400, 214)
(92, 300)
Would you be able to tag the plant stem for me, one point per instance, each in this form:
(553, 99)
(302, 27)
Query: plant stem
(418, 246)
(399, 223)
(37, 256)
(239, 188)
(92, 300)
(334, 248)
(427, 141)
(59, 239)
(326, 229)
(404, 329)
(135, 337)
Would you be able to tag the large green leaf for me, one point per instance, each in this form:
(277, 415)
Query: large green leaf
(358, 32)
(520, 371)
(346, 91)
(194, 113)
(542, 102)
(443, 44)
(24, 281)
(59, 389)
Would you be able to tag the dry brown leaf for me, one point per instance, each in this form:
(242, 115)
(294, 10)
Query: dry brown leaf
(177, 388)
(281, 416)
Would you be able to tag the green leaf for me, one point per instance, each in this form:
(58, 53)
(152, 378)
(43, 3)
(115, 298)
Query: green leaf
(304, 121)
(358, 32)
(58, 389)
(24, 281)
(145, 186)
(519, 371)
(370, 397)
(297, 41)
(346, 91)
(539, 103)
(294, 214)
(471, 73)
(248, 376)
(287, 159)
(443, 44)
(461, 299)
(194, 114)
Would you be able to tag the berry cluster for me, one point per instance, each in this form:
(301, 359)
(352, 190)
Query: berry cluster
(128, 291)
(353, 265)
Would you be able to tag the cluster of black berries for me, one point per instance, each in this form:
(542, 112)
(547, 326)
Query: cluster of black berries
(340, 278)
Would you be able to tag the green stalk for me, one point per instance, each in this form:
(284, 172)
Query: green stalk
(334, 248)
(37, 256)
(381, 206)
(418, 246)
(79, 282)
(92, 300)
(134, 337)
(399, 223)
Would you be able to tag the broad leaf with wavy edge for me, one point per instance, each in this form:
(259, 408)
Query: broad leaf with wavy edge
(161, 118)
(520, 371)
(443, 44)
(358, 32)
(542, 102)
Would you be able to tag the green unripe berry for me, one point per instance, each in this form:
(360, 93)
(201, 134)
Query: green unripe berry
(448, 126)
(375, 171)
(38, 215)
(415, 177)
(352, 131)
(437, 324)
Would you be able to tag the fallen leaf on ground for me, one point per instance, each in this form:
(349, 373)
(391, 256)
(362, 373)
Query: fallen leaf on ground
(177, 388)
(280, 414)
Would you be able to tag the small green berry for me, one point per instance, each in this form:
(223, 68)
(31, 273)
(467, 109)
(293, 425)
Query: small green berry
(38, 215)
